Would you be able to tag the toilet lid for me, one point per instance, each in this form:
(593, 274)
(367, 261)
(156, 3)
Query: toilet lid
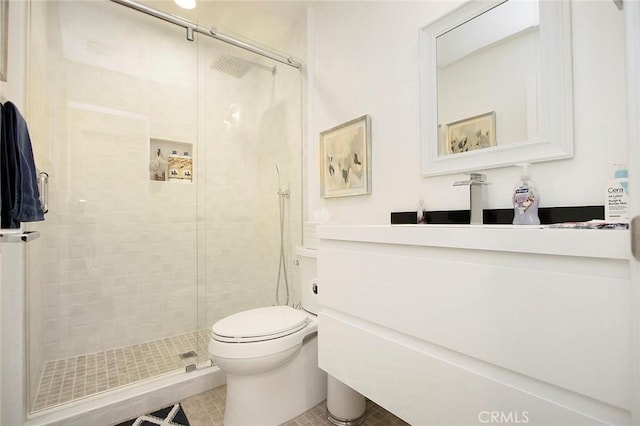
(259, 324)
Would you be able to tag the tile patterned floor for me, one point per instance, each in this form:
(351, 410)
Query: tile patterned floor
(69, 379)
(207, 409)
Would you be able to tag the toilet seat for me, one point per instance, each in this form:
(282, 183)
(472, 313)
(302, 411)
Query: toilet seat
(260, 324)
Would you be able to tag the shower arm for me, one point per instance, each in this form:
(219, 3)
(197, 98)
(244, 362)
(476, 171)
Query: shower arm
(211, 32)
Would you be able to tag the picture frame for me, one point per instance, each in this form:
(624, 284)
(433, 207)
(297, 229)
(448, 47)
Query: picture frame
(345, 159)
(471, 134)
(4, 36)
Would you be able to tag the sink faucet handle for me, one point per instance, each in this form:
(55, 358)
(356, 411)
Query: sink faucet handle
(474, 179)
(477, 177)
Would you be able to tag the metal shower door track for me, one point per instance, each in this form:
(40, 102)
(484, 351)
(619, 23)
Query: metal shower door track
(211, 32)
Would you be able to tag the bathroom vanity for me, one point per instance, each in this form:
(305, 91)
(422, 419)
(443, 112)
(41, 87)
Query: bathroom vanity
(456, 325)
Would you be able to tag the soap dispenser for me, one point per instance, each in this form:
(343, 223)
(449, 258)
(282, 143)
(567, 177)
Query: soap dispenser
(526, 199)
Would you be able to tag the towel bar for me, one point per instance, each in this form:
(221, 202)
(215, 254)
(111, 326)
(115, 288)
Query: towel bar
(19, 237)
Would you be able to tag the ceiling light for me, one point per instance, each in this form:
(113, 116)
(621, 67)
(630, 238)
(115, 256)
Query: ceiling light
(186, 4)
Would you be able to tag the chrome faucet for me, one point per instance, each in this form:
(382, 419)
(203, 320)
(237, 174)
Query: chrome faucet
(476, 184)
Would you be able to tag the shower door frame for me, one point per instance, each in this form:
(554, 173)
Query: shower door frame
(212, 32)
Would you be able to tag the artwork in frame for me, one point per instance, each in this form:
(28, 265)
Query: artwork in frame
(4, 34)
(345, 159)
(471, 133)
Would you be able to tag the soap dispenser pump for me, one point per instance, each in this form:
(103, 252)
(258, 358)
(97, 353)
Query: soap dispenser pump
(526, 199)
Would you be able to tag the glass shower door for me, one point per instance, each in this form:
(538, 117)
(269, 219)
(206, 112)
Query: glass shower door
(113, 299)
(251, 141)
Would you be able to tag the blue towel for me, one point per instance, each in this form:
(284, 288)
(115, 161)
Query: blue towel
(19, 185)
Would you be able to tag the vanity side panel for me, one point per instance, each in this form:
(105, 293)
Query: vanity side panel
(424, 389)
(558, 326)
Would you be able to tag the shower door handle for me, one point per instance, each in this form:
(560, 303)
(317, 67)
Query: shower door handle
(43, 187)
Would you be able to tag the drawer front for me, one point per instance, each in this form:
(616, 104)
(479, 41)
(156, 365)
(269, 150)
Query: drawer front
(420, 385)
(563, 325)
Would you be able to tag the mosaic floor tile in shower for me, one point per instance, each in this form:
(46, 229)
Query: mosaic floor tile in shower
(207, 409)
(68, 379)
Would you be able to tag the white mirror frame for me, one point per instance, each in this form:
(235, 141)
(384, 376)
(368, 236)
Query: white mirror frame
(554, 106)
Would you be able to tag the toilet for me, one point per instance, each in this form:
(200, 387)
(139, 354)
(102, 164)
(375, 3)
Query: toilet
(270, 357)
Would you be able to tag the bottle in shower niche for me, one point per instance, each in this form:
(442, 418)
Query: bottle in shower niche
(187, 167)
(158, 167)
(173, 161)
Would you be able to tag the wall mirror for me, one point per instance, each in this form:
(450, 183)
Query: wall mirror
(496, 86)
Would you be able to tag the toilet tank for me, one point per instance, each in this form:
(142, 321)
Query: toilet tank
(308, 273)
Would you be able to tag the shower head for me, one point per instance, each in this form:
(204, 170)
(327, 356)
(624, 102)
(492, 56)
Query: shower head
(237, 67)
(230, 65)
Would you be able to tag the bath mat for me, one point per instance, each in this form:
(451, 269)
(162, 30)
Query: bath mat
(169, 416)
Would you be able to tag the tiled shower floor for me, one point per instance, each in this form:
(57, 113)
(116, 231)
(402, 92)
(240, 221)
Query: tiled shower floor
(68, 379)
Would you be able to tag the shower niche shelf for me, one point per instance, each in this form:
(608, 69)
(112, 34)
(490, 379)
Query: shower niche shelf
(165, 166)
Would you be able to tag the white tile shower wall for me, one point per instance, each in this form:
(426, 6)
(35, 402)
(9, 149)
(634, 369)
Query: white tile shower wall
(120, 222)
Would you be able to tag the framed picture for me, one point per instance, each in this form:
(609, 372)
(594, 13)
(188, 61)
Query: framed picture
(471, 133)
(4, 34)
(345, 159)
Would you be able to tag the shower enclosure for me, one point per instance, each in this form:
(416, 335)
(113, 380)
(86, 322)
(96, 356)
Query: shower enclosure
(136, 262)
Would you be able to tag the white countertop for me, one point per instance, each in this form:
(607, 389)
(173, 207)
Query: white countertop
(599, 243)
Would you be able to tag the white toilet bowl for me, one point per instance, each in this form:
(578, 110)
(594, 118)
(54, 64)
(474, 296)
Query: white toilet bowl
(270, 357)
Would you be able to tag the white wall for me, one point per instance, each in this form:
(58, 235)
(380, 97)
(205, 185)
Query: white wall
(366, 60)
(12, 349)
